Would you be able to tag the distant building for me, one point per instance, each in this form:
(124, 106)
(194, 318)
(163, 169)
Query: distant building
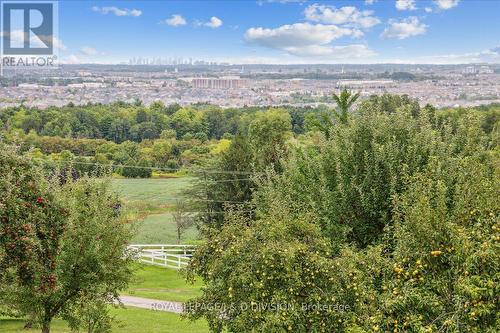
(28, 85)
(470, 70)
(485, 70)
(365, 84)
(224, 82)
(87, 85)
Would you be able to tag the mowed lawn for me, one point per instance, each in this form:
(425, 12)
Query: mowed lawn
(128, 320)
(162, 284)
(152, 201)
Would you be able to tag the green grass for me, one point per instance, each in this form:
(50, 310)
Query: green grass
(162, 284)
(156, 192)
(128, 320)
(161, 229)
(150, 201)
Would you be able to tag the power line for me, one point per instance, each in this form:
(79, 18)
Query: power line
(221, 201)
(223, 212)
(229, 180)
(198, 200)
(209, 171)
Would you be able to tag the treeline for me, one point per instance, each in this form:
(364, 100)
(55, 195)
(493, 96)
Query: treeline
(119, 122)
(135, 137)
(168, 153)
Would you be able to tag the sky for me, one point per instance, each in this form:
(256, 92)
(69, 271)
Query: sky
(281, 31)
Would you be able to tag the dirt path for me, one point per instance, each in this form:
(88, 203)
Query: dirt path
(152, 304)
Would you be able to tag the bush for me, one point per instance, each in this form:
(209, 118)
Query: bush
(172, 164)
(142, 170)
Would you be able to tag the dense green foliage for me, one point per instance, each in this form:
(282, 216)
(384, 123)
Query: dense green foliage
(158, 136)
(390, 224)
(119, 122)
(32, 223)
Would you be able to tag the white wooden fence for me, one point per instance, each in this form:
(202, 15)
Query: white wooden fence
(165, 255)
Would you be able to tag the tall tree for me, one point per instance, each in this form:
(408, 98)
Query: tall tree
(231, 185)
(267, 134)
(58, 244)
(325, 120)
(344, 101)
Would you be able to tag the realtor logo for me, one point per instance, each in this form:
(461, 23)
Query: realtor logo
(36, 21)
(29, 36)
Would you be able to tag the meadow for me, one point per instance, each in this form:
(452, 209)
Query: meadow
(151, 202)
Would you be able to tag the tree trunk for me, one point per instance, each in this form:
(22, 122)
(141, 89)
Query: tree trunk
(46, 323)
(46, 327)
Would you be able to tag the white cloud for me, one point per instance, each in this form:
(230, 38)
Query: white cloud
(336, 52)
(428, 9)
(370, 2)
(175, 20)
(405, 28)
(348, 15)
(17, 38)
(491, 56)
(405, 5)
(308, 40)
(446, 4)
(297, 35)
(117, 11)
(72, 59)
(214, 22)
(87, 50)
(58, 44)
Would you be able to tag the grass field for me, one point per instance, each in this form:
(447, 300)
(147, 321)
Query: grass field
(157, 192)
(161, 229)
(162, 284)
(151, 201)
(128, 320)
